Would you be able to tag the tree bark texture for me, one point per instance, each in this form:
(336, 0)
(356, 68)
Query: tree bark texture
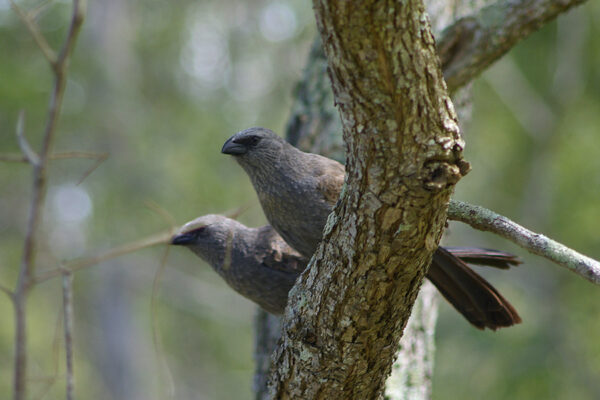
(404, 156)
(315, 126)
(412, 372)
(475, 41)
(267, 331)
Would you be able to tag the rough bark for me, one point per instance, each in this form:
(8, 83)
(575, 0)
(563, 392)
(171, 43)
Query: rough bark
(315, 126)
(465, 31)
(412, 372)
(473, 42)
(404, 155)
(267, 331)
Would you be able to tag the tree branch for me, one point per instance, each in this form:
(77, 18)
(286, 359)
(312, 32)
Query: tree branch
(7, 292)
(472, 43)
(18, 158)
(29, 155)
(412, 373)
(39, 39)
(267, 331)
(67, 286)
(347, 311)
(487, 220)
(59, 66)
(81, 263)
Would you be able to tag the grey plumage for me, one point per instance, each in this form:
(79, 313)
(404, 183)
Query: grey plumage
(255, 262)
(297, 192)
(296, 189)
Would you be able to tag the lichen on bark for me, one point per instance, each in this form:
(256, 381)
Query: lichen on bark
(404, 155)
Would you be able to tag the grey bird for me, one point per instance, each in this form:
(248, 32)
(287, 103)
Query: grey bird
(259, 265)
(297, 192)
(255, 262)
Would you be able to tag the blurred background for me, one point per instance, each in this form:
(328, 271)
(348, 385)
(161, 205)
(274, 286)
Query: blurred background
(159, 86)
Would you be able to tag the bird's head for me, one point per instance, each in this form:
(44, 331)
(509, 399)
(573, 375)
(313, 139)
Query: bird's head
(255, 147)
(210, 236)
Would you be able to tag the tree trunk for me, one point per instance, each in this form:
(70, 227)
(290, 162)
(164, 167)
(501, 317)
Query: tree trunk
(349, 308)
(314, 127)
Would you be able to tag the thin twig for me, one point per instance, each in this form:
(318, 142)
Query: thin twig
(81, 263)
(8, 292)
(91, 169)
(51, 380)
(40, 8)
(19, 158)
(39, 39)
(156, 337)
(67, 286)
(77, 18)
(78, 154)
(99, 157)
(28, 153)
(236, 212)
(164, 214)
(13, 158)
(487, 220)
(26, 272)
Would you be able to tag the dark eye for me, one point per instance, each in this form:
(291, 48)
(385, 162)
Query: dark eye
(201, 231)
(248, 140)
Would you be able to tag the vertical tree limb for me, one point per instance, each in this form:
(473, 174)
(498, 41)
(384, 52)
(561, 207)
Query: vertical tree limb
(26, 271)
(349, 308)
(412, 372)
(67, 286)
(267, 331)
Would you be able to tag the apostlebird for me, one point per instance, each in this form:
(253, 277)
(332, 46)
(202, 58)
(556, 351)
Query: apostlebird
(259, 265)
(256, 262)
(297, 192)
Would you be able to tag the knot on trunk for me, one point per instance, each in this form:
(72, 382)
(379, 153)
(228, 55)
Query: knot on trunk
(439, 175)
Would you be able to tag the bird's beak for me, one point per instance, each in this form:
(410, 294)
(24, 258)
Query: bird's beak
(182, 239)
(233, 148)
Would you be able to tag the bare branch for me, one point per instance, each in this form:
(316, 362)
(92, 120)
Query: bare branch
(77, 18)
(67, 286)
(487, 220)
(18, 158)
(473, 43)
(51, 380)
(40, 40)
(164, 214)
(29, 154)
(166, 373)
(8, 292)
(91, 169)
(26, 271)
(13, 158)
(77, 264)
(39, 9)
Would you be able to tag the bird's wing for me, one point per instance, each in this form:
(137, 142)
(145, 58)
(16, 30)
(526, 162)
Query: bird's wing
(273, 252)
(330, 178)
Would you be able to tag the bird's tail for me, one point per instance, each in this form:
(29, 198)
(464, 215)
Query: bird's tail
(474, 297)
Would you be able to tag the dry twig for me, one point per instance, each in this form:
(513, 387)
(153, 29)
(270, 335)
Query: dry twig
(81, 263)
(67, 286)
(59, 65)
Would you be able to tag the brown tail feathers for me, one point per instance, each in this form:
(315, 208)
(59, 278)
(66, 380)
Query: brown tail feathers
(474, 297)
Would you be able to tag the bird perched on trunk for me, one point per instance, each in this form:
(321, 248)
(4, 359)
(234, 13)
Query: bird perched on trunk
(256, 262)
(298, 190)
(259, 265)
